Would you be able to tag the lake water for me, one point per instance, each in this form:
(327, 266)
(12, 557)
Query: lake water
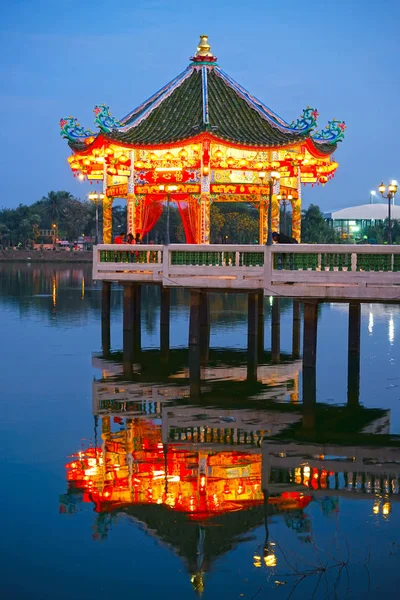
(116, 486)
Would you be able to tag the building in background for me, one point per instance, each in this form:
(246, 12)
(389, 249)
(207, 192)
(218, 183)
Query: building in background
(350, 222)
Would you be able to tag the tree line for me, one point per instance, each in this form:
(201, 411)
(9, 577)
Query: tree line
(231, 222)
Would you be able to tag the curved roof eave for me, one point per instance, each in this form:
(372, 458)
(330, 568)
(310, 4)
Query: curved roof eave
(314, 148)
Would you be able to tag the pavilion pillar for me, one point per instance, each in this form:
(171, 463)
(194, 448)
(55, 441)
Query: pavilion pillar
(296, 329)
(138, 216)
(204, 234)
(353, 363)
(263, 231)
(276, 331)
(107, 220)
(296, 219)
(131, 214)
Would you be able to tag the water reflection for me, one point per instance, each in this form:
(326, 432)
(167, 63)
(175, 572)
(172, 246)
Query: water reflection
(242, 489)
(391, 330)
(203, 476)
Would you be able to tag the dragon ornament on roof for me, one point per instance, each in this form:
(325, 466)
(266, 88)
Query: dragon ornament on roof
(306, 122)
(73, 131)
(103, 118)
(333, 132)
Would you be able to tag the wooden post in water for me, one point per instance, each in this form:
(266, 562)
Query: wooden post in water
(165, 299)
(296, 329)
(194, 344)
(252, 331)
(310, 334)
(131, 324)
(309, 365)
(204, 327)
(137, 317)
(260, 323)
(309, 399)
(105, 317)
(353, 362)
(276, 331)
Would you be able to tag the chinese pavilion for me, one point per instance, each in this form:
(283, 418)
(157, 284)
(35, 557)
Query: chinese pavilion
(202, 138)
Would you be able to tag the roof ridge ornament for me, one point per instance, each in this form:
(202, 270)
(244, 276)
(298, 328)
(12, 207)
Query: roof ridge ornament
(332, 134)
(306, 122)
(203, 54)
(73, 131)
(104, 120)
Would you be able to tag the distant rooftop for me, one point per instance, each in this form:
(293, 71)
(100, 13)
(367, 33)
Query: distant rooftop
(376, 212)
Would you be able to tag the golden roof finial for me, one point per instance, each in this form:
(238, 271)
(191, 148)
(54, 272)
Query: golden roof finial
(203, 49)
(204, 54)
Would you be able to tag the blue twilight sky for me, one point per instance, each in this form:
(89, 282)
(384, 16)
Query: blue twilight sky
(60, 58)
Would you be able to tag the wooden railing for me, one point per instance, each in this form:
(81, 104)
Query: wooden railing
(290, 270)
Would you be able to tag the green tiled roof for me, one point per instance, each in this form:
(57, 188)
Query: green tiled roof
(177, 113)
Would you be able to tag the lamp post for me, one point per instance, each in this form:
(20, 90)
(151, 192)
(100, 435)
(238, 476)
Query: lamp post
(95, 197)
(372, 195)
(54, 227)
(285, 201)
(274, 176)
(170, 188)
(392, 189)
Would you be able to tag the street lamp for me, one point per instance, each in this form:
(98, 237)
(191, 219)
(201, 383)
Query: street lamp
(285, 201)
(169, 189)
(95, 197)
(274, 176)
(372, 195)
(392, 190)
(54, 227)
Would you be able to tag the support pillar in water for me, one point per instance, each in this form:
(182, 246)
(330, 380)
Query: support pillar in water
(164, 323)
(204, 327)
(309, 399)
(310, 334)
(353, 362)
(296, 329)
(252, 337)
(194, 343)
(260, 323)
(309, 366)
(276, 331)
(105, 317)
(131, 324)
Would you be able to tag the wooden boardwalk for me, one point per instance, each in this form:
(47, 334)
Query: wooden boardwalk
(323, 272)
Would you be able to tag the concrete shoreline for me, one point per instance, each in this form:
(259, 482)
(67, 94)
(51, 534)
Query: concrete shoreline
(47, 256)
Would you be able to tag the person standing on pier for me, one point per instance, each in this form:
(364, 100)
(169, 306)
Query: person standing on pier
(120, 238)
(281, 238)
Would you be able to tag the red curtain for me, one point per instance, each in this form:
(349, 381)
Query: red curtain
(188, 209)
(152, 210)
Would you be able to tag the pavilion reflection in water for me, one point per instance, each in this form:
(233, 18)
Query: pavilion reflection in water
(179, 465)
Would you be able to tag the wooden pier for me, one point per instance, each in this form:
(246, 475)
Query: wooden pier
(323, 272)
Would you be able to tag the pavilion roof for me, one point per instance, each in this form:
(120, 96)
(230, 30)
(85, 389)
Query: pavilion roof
(204, 99)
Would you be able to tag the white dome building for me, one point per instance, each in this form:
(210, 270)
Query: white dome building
(350, 221)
